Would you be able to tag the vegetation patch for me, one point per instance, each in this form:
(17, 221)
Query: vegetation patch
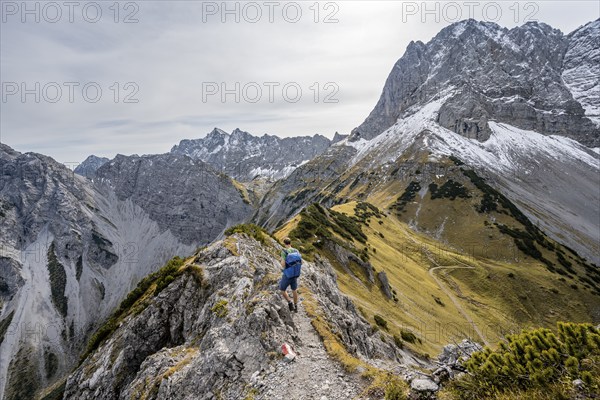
(23, 378)
(317, 224)
(364, 211)
(456, 161)
(152, 284)
(4, 324)
(79, 267)
(449, 190)
(533, 361)
(58, 281)
(408, 196)
(531, 240)
(398, 342)
(380, 321)
(254, 231)
(220, 308)
(409, 337)
(50, 363)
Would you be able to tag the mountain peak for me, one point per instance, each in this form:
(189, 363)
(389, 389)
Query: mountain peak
(495, 75)
(217, 132)
(90, 165)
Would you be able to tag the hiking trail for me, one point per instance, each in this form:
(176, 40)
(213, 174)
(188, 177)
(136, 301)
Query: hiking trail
(312, 374)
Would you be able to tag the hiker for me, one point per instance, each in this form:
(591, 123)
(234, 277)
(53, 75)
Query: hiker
(291, 262)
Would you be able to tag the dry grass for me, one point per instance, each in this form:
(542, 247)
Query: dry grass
(497, 303)
(379, 381)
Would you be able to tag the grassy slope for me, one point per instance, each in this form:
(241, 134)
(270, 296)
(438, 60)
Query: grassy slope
(496, 302)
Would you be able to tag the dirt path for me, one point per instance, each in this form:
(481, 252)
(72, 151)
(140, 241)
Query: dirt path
(453, 298)
(447, 291)
(312, 375)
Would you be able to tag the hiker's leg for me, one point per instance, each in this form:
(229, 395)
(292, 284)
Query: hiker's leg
(294, 286)
(283, 285)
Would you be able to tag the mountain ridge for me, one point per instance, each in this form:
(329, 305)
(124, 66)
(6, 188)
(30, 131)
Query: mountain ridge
(503, 82)
(244, 156)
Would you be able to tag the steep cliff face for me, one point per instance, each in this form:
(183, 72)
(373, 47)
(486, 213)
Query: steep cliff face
(532, 77)
(244, 156)
(216, 331)
(186, 196)
(72, 248)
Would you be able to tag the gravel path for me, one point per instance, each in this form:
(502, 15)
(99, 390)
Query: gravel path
(312, 375)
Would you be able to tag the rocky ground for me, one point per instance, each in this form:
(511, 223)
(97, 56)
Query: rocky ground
(311, 375)
(216, 331)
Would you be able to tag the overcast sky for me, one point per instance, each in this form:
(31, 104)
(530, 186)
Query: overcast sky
(162, 74)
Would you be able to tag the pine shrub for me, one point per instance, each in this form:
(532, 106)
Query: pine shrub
(535, 359)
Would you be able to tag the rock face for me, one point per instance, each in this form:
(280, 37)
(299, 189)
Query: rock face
(70, 248)
(214, 333)
(385, 284)
(532, 77)
(244, 156)
(186, 196)
(89, 166)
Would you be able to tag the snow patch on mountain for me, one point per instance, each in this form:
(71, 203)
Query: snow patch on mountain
(504, 151)
(582, 68)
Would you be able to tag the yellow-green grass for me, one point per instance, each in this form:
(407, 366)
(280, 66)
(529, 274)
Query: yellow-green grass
(242, 189)
(496, 302)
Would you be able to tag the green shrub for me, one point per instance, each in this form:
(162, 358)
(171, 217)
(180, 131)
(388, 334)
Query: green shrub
(450, 190)
(4, 324)
(439, 301)
(380, 321)
(534, 359)
(456, 161)
(220, 308)
(409, 195)
(254, 231)
(398, 342)
(58, 281)
(395, 390)
(408, 336)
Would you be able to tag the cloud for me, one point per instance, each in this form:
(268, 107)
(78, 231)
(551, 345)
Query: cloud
(166, 60)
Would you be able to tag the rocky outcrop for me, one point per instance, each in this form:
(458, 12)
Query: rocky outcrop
(532, 77)
(216, 330)
(345, 257)
(244, 156)
(89, 166)
(185, 196)
(385, 284)
(303, 186)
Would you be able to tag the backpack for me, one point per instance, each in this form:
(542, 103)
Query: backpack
(293, 263)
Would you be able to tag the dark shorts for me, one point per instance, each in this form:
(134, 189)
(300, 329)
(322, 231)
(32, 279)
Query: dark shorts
(285, 282)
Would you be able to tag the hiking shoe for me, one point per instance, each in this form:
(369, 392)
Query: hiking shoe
(295, 308)
(291, 306)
